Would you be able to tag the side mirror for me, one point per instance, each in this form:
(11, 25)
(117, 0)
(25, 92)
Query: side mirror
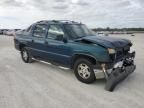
(65, 40)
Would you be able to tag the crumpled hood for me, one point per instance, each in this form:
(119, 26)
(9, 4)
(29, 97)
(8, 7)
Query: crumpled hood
(108, 42)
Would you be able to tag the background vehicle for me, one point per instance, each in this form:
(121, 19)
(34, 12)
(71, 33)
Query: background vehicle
(10, 32)
(4, 31)
(1, 31)
(73, 45)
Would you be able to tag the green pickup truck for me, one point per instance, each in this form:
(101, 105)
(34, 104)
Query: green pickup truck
(73, 45)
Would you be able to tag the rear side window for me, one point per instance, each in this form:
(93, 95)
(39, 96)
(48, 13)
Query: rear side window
(40, 31)
(55, 32)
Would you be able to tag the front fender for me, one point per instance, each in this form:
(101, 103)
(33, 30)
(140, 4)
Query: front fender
(99, 55)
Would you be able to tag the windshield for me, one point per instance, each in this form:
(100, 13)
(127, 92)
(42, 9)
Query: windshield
(78, 31)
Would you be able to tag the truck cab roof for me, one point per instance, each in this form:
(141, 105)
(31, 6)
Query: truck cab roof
(57, 22)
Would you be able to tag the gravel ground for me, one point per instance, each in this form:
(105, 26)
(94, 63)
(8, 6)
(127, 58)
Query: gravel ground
(41, 85)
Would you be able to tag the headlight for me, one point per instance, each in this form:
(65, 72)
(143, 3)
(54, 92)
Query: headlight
(111, 51)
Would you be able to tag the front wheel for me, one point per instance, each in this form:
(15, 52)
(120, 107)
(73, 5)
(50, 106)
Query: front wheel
(83, 70)
(26, 55)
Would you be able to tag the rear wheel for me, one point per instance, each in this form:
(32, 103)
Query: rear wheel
(26, 55)
(83, 70)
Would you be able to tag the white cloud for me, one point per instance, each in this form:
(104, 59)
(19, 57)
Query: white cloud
(95, 13)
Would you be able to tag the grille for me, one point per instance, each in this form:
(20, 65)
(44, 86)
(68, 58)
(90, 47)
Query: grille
(121, 53)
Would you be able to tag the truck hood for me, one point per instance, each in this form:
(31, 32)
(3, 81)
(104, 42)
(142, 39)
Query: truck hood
(105, 41)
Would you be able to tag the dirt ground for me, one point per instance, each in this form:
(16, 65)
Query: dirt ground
(41, 85)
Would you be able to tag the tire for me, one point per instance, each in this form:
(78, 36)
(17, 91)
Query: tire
(26, 55)
(83, 70)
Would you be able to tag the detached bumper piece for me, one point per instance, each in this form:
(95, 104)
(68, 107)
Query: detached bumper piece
(117, 76)
(119, 73)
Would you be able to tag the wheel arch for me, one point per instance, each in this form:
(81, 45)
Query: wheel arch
(86, 56)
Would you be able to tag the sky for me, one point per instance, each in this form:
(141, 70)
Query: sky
(94, 13)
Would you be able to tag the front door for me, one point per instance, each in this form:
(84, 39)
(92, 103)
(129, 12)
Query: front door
(58, 50)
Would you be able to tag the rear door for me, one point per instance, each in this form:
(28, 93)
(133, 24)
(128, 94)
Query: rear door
(38, 40)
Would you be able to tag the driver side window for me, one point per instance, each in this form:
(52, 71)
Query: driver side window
(55, 32)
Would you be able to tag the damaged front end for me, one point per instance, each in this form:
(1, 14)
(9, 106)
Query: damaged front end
(121, 59)
(120, 71)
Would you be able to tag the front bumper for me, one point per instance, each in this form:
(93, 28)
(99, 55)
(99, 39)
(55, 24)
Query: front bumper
(119, 72)
(117, 76)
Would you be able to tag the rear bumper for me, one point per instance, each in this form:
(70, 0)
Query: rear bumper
(16, 44)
